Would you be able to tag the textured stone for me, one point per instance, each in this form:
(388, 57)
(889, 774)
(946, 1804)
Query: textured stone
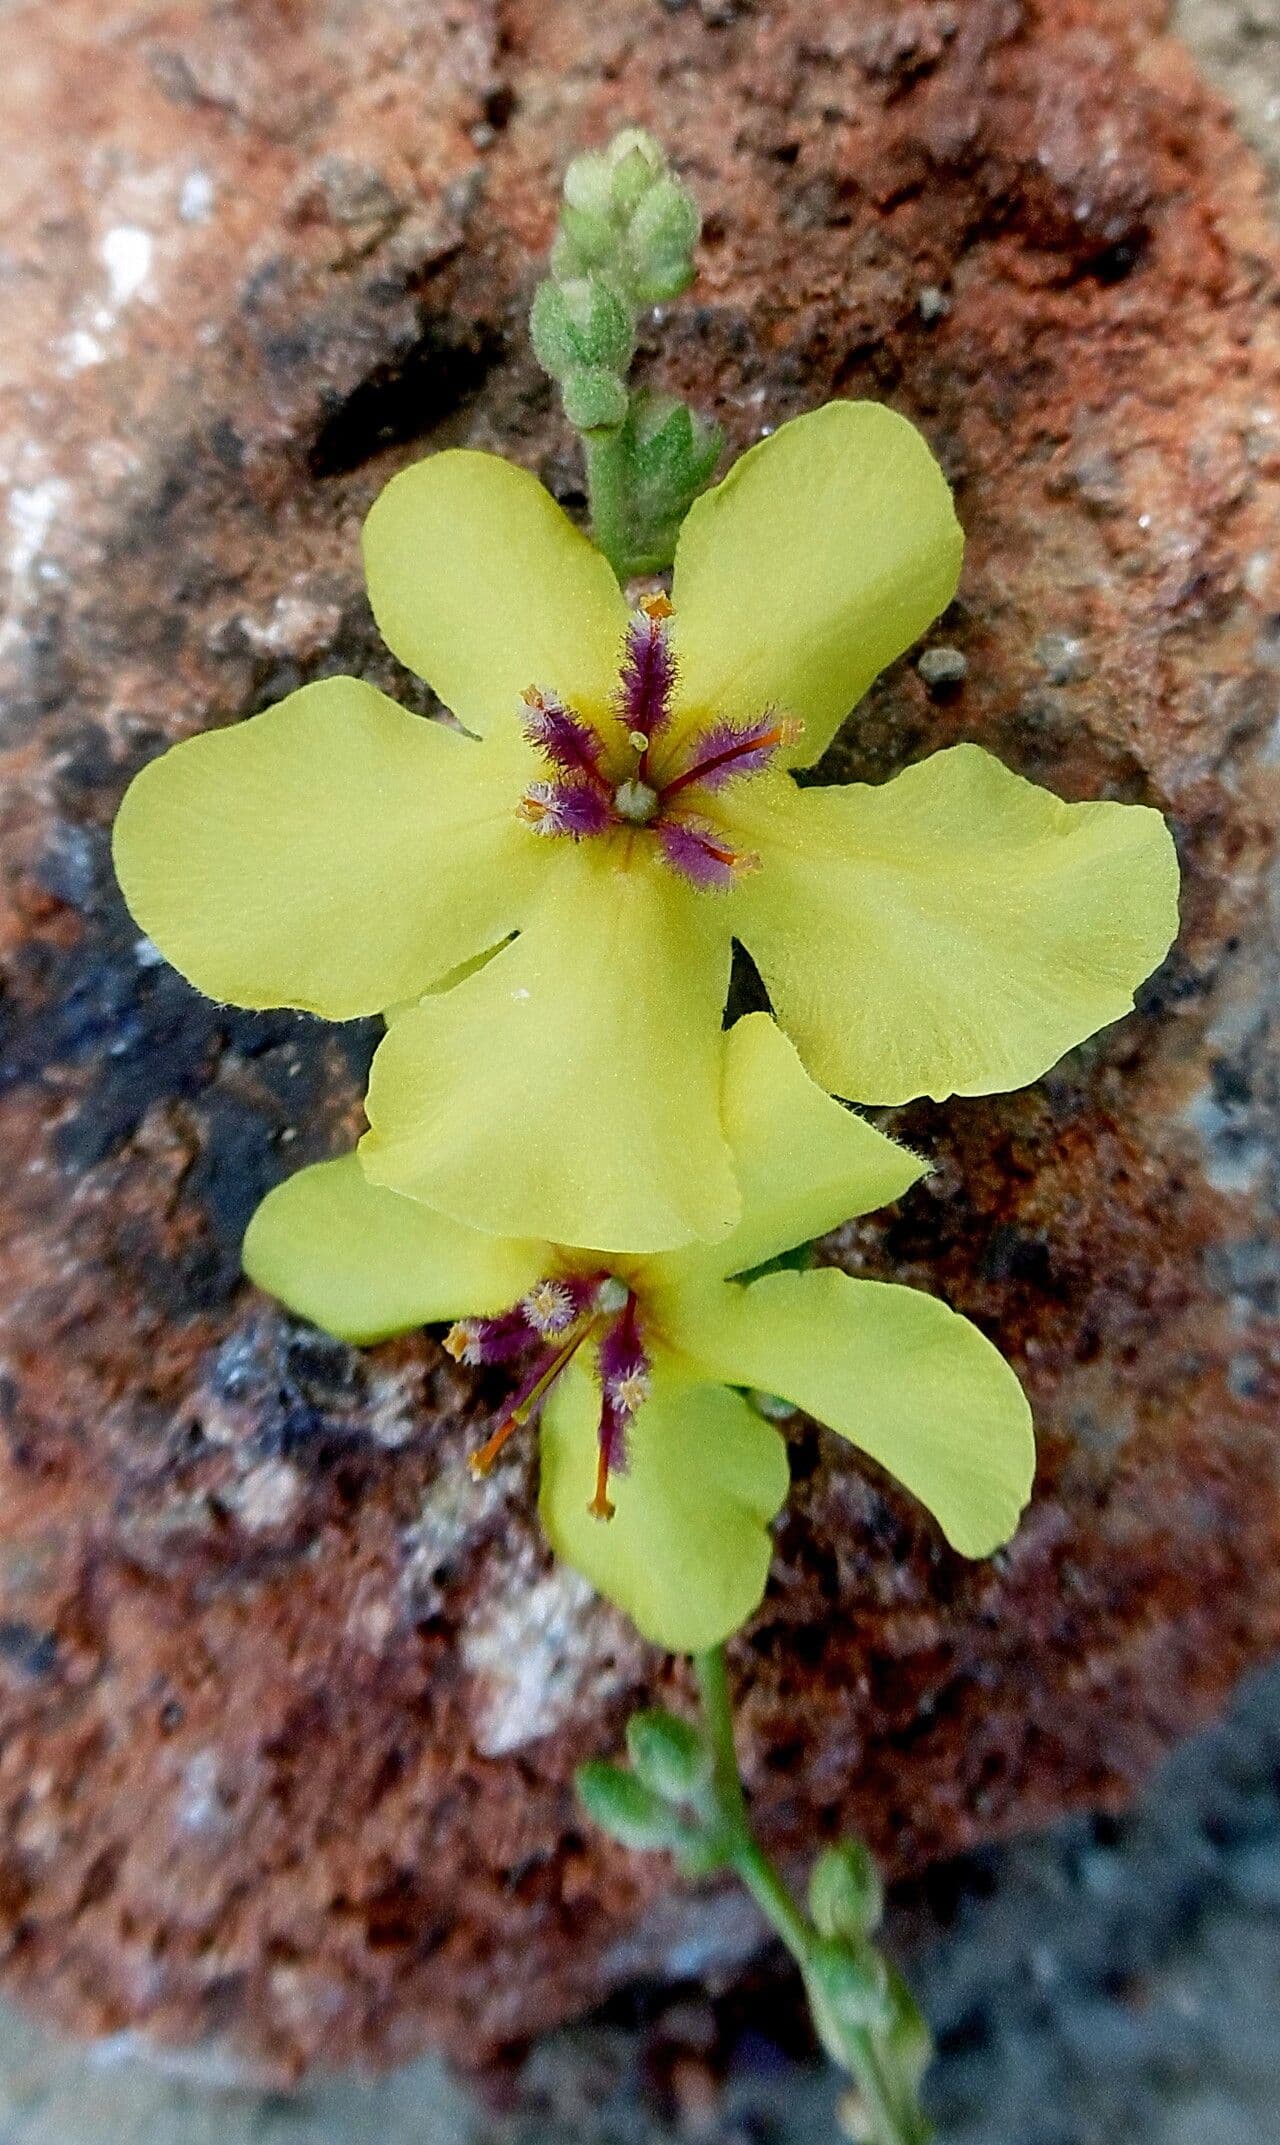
(289, 1711)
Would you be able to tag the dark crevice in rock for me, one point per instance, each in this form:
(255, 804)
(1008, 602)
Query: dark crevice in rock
(406, 397)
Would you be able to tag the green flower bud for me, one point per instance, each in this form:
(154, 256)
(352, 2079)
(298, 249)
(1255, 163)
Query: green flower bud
(594, 400)
(665, 226)
(846, 1896)
(849, 1988)
(634, 177)
(705, 450)
(637, 141)
(907, 2037)
(580, 322)
(660, 281)
(588, 184)
(669, 1756)
(585, 243)
(702, 1854)
(625, 1808)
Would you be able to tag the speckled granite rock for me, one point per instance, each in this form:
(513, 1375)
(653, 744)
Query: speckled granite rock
(288, 1711)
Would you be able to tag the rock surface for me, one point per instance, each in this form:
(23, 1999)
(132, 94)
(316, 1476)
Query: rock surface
(288, 1713)
(1116, 1979)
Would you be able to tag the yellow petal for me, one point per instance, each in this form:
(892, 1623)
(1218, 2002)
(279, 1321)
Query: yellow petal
(572, 1085)
(364, 1263)
(481, 584)
(335, 853)
(823, 555)
(900, 1375)
(953, 931)
(803, 1162)
(686, 1554)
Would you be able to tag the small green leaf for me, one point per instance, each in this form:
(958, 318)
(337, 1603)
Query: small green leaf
(666, 221)
(673, 452)
(634, 175)
(661, 238)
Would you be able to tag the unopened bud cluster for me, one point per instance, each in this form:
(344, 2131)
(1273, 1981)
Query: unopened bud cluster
(661, 1800)
(669, 1797)
(626, 217)
(854, 1994)
(627, 232)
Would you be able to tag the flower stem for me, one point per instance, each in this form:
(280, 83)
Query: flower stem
(889, 2113)
(608, 492)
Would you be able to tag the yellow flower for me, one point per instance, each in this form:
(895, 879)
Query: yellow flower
(622, 811)
(658, 1480)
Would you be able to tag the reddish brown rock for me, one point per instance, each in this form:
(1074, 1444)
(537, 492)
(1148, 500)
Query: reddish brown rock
(289, 1711)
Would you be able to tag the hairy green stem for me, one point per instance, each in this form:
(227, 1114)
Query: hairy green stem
(608, 491)
(891, 2107)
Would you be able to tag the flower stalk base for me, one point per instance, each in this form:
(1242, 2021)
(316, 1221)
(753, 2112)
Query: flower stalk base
(683, 1792)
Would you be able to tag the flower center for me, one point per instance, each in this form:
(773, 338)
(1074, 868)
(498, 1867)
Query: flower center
(632, 778)
(545, 1331)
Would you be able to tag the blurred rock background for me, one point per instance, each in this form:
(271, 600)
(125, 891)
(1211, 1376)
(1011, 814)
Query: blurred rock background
(1117, 1980)
(1116, 1983)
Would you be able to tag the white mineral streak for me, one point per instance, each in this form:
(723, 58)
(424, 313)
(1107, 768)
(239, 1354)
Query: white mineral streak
(126, 253)
(195, 201)
(31, 511)
(540, 1650)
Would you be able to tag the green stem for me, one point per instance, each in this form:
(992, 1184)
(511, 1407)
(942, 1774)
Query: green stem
(892, 2108)
(749, 1860)
(608, 490)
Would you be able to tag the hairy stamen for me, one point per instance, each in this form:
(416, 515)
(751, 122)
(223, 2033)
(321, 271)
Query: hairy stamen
(647, 677)
(624, 1387)
(552, 1306)
(726, 752)
(563, 738)
(571, 807)
(489, 1340)
(701, 855)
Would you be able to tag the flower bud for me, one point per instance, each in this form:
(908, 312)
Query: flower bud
(662, 235)
(702, 1854)
(594, 400)
(580, 322)
(669, 1756)
(846, 1896)
(584, 243)
(588, 184)
(634, 176)
(848, 1987)
(657, 282)
(633, 141)
(625, 1808)
(907, 2037)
